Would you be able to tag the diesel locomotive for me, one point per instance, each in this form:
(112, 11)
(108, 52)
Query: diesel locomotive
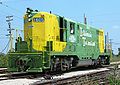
(55, 43)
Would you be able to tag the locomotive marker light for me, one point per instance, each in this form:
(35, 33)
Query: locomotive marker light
(29, 14)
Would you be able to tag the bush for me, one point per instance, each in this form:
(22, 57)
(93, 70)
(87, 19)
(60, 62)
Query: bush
(114, 77)
(115, 58)
(3, 61)
(114, 81)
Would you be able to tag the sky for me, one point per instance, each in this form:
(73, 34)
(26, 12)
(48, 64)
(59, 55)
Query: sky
(103, 14)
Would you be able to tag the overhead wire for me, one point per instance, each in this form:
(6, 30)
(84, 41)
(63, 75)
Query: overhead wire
(5, 46)
(1, 13)
(17, 17)
(4, 14)
(3, 4)
(15, 10)
(115, 43)
(10, 7)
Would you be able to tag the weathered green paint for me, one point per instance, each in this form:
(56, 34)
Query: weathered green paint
(77, 46)
(36, 62)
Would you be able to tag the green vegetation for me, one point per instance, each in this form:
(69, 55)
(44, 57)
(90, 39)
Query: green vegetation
(3, 60)
(114, 77)
(115, 58)
(114, 81)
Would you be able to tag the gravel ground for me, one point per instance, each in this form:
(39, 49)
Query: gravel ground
(29, 81)
(67, 75)
(18, 82)
(118, 66)
(115, 62)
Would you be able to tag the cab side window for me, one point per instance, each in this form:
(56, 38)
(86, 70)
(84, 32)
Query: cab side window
(72, 28)
(65, 23)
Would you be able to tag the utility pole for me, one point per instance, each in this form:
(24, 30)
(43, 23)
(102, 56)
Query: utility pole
(110, 44)
(85, 19)
(110, 50)
(107, 43)
(9, 19)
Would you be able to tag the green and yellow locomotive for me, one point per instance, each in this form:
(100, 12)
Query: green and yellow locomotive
(52, 42)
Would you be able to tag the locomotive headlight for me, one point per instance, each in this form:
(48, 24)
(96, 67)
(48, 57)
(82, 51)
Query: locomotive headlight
(28, 11)
(29, 20)
(29, 15)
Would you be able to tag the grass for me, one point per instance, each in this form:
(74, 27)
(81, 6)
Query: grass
(114, 81)
(115, 58)
(3, 61)
(114, 77)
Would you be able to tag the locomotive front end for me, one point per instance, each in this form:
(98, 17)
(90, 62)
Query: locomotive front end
(41, 36)
(29, 55)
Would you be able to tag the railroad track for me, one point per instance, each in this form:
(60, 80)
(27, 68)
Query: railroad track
(66, 79)
(83, 77)
(19, 75)
(3, 70)
(98, 77)
(93, 77)
(88, 78)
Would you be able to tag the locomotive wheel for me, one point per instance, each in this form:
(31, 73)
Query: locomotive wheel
(95, 65)
(55, 65)
(65, 65)
(60, 64)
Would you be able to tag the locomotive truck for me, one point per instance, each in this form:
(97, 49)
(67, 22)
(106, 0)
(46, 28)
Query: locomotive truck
(55, 43)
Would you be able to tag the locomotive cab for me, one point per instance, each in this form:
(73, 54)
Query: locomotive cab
(44, 32)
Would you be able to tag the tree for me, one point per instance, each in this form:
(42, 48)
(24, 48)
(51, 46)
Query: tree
(2, 54)
(118, 51)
